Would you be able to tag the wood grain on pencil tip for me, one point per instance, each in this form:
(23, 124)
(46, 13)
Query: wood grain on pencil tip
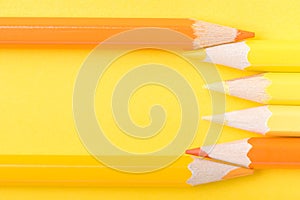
(207, 171)
(257, 153)
(96, 30)
(267, 88)
(273, 120)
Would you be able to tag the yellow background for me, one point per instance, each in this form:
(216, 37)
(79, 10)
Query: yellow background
(36, 93)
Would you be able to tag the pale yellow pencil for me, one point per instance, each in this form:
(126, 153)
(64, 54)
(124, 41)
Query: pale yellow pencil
(255, 55)
(265, 120)
(267, 88)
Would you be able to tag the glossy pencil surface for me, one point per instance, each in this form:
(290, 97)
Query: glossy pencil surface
(255, 55)
(96, 30)
(255, 152)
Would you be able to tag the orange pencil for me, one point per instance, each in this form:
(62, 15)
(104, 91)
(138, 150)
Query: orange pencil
(255, 152)
(95, 30)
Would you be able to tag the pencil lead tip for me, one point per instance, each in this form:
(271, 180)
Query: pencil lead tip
(219, 119)
(196, 152)
(241, 35)
(197, 54)
(207, 118)
(217, 87)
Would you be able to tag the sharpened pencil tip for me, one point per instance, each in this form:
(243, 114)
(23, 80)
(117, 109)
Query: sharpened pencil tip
(207, 171)
(196, 152)
(219, 119)
(217, 87)
(241, 35)
(197, 54)
(207, 118)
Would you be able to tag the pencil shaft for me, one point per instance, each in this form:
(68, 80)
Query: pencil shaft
(273, 53)
(77, 30)
(67, 170)
(96, 30)
(257, 153)
(274, 152)
(258, 55)
(283, 88)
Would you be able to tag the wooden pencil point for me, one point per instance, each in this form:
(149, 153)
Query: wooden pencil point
(208, 34)
(267, 88)
(220, 118)
(207, 171)
(217, 87)
(195, 54)
(273, 120)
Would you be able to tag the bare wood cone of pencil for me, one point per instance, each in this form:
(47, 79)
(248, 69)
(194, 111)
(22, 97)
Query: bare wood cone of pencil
(207, 171)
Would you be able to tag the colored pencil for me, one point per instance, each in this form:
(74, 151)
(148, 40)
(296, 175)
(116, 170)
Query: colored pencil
(267, 88)
(95, 30)
(255, 55)
(256, 153)
(266, 120)
(207, 171)
(84, 170)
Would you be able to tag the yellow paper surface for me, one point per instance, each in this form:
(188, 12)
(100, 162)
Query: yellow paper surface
(37, 85)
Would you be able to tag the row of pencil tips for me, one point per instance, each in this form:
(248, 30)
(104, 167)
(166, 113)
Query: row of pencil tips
(204, 167)
(278, 117)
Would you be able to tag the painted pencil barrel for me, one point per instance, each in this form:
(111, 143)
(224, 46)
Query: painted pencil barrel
(64, 170)
(51, 170)
(284, 121)
(256, 153)
(283, 88)
(274, 153)
(95, 30)
(256, 55)
(273, 53)
(276, 56)
(78, 30)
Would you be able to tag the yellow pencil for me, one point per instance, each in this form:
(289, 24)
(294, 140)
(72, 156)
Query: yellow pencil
(256, 55)
(266, 120)
(267, 88)
(70, 170)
